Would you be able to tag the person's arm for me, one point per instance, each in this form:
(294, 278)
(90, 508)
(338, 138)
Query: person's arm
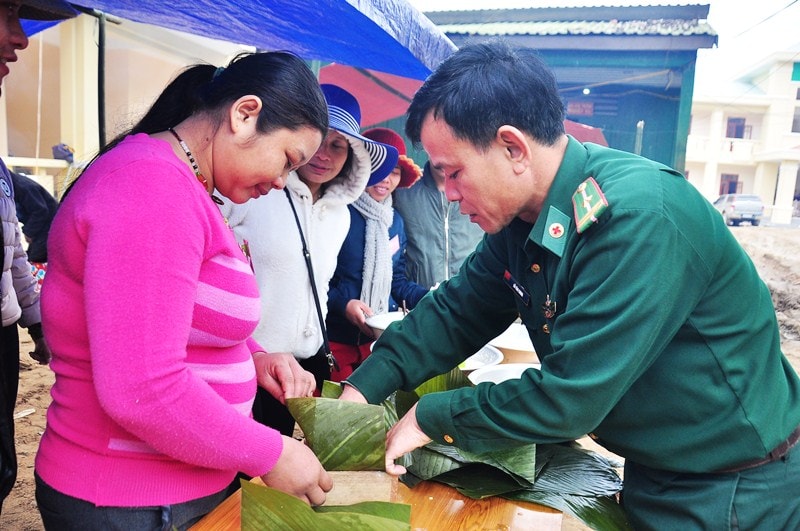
(142, 276)
(25, 284)
(403, 289)
(36, 203)
(633, 284)
(447, 326)
(345, 284)
(41, 351)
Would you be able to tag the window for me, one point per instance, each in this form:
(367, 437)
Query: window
(797, 96)
(736, 128)
(729, 184)
(796, 120)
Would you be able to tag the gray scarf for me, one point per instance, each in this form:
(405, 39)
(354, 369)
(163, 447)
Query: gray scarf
(376, 279)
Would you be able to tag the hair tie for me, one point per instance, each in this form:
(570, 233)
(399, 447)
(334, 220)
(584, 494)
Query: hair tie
(217, 72)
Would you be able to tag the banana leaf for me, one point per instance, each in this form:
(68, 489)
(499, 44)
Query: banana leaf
(569, 479)
(343, 435)
(266, 508)
(570, 470)
(564, 477)
(443, 382)
(517, 461)
(331, 389)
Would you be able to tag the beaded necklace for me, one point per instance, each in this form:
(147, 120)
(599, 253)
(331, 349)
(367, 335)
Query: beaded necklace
(200, 177)
(245, 246)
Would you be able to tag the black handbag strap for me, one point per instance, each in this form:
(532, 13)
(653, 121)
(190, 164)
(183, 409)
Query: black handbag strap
(307, 255)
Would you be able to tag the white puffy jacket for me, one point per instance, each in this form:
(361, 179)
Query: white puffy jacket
(18, 287)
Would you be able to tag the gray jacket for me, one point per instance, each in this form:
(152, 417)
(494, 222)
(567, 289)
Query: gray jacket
(19, 290)
(439, 236)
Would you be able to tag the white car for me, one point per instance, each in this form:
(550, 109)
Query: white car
(736, 208)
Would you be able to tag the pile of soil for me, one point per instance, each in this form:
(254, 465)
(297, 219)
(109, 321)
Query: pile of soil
(773, 250)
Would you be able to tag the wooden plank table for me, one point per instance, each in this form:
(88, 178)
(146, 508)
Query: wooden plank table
(434, 507)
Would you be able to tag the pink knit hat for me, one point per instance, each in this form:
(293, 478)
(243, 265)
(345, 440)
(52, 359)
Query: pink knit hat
(409, 171)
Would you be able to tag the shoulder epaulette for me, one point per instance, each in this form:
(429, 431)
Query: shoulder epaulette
(588, 203)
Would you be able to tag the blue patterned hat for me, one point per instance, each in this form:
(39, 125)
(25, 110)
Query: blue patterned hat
(344, 115)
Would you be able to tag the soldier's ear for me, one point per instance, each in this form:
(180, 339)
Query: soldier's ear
(516, 145)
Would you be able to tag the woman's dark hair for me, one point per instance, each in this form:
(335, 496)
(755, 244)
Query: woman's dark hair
(348, 164)
(482, 87)
(289, 92)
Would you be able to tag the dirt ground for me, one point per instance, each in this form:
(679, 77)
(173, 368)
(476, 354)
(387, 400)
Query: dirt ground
(773, 249)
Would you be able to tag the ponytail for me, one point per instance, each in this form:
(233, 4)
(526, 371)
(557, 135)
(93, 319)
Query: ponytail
(290, 94)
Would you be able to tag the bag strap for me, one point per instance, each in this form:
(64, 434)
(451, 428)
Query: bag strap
(307, 255)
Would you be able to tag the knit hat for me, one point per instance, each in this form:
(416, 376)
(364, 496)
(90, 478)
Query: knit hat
(344, 115)
(409, 171)
(46, 10)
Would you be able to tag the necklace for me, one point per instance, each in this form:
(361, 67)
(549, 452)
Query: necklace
(200, 177)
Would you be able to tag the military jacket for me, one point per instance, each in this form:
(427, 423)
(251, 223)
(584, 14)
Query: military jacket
(655, 332)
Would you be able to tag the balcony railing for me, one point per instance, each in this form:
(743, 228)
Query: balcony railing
(725, 150)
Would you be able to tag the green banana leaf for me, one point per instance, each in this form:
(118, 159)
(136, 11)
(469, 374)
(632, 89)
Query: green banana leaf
(334, 390)
(564, 477)
(570, 470)
(331, 389)
(343, 435)
(444, 382)
(266, 508)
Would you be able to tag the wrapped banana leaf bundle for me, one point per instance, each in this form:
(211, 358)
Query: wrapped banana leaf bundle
(343, 435)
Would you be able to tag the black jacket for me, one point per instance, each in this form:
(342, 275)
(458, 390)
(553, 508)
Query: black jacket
(35, 210)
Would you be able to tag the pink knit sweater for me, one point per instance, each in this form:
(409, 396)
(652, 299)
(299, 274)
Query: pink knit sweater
(148, 307)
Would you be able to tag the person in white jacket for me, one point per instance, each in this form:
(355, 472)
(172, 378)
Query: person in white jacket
(19, 290)
(345, 164)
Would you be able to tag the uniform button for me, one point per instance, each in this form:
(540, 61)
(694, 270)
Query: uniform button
(545, 329)
(536, 268)
(448, 439)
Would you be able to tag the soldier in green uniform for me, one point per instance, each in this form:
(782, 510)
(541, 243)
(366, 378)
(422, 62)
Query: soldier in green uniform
(655, 332)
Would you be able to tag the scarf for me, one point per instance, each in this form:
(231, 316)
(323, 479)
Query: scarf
(376, 278)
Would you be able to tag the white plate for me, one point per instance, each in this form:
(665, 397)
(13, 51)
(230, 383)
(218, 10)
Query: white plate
(515, 337)
(379, 322)
(485, 357)
(500, 373)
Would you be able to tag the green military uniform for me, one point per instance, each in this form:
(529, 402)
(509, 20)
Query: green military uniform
(655, 333)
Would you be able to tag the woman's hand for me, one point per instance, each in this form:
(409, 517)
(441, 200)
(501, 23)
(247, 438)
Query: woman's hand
(403, 437)
(281, 375)
(357, 313)
(299, 473)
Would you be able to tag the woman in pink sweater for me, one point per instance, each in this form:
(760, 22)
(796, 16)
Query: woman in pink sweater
(149, 305)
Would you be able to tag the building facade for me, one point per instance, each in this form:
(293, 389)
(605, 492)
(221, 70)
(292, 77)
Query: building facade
(628, 70)
(745, 138)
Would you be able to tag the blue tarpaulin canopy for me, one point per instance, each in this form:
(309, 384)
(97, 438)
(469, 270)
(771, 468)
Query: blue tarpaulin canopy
(385, 35)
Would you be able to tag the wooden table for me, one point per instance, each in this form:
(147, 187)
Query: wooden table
(434, 507)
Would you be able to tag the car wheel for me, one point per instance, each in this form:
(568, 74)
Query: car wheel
(735, 222)
(755, 222)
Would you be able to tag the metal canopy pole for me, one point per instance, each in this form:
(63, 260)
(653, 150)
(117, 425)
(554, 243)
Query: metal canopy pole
(102, 18)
